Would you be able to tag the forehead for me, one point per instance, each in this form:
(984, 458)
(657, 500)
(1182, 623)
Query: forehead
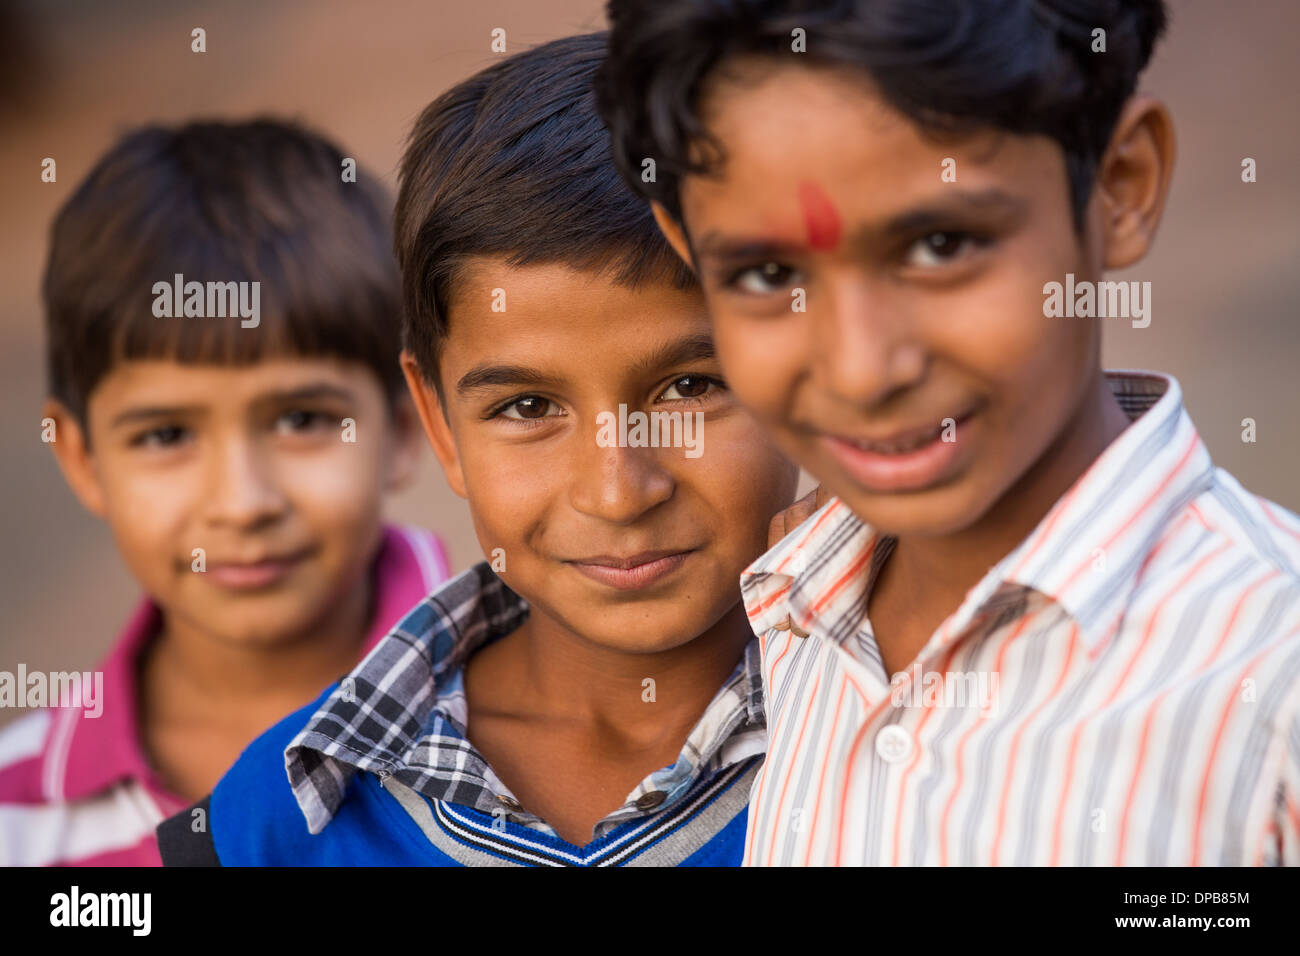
(783, 126)
(165, 382)
(558, 315)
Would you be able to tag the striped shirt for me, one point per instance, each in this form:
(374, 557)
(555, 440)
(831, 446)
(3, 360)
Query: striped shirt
(79, 791)
(1123, 688)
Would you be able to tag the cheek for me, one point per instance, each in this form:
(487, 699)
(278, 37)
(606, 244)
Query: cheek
(149, 510)
(761, 359)
(1042, 386)
(746, 477)
(150, 514)
(999, 336)
(336, 491)
(506, 492)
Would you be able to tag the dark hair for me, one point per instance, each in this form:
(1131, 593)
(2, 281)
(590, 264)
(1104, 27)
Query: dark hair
(515, 162)
(1024, 66)
(260, 201)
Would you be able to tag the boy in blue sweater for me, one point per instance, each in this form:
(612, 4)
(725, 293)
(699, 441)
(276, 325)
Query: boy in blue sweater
(591, 694)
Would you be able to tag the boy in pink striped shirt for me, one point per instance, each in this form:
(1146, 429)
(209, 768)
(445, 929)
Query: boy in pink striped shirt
(222, 309)
(1033, 624)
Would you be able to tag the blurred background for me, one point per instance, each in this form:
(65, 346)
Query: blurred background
(75, 74)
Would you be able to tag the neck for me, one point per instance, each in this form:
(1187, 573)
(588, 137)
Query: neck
(939, 570)
(192, 669)
(565, 677)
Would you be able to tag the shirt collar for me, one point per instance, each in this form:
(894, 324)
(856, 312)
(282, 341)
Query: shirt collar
(85, 755)
(1085, 554)
(1088, 552)
(414, 679)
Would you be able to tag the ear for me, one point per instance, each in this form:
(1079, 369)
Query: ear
(434, 419)
(1133, 181)
(674, 233)
(404, 455)
(73, 454)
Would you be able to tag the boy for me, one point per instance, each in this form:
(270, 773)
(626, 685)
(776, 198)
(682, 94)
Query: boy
(590, 695)
(238, 454)
(1094, 635)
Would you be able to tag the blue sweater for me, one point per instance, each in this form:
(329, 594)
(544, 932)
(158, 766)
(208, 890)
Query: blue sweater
(253, 819)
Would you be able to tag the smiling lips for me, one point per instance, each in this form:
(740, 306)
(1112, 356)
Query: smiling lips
(254, 575)
(633, 572)
(908, 460)
(900, 442)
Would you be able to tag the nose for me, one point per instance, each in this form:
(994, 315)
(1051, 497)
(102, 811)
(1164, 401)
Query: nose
(618, 485)
(865, 346)
(241, 487)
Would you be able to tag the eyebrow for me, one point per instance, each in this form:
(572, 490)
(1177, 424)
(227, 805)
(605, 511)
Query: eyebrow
(491, 376)
(931, 215)
(154, 411)
(694, 348)
(306, 393)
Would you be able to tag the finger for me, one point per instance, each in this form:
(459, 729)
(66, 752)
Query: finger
(776, 529)
(801, 510)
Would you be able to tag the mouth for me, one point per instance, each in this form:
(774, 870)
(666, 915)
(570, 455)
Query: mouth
(631, 572)
(256, 574)
(907, 459)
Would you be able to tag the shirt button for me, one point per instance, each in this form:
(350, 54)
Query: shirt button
(894, 744)
(648, 801)
(509, 802)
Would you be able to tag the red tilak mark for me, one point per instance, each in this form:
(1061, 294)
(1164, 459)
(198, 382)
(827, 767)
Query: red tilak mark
(820, 216)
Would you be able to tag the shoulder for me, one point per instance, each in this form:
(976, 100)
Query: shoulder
(1236, 557)
(23, 746)
(1220, 593)
(421, 549)
(251, 817)
(1260, 541)
(24, 804)
(1249, 597)
(1256, 526)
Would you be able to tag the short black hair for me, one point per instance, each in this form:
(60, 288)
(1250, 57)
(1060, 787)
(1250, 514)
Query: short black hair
(515, 162)
(1023, 66)
(259, 201)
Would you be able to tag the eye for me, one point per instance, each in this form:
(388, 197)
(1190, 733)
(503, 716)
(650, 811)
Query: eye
(165, 436)
(940, 248)
(691, 388)
(760, 280)
(299, 420)
(528, 408)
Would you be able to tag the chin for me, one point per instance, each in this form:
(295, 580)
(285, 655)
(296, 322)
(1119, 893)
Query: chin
(263, 630)
(926, 514)
(630, 637)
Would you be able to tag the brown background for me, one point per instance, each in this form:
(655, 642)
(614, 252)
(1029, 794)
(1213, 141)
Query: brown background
(1225, 273)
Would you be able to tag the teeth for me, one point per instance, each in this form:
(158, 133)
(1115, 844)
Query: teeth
(899, 447)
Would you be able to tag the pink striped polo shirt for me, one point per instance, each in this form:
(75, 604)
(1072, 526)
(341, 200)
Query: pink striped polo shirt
(1123, 688)
(76, 791)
